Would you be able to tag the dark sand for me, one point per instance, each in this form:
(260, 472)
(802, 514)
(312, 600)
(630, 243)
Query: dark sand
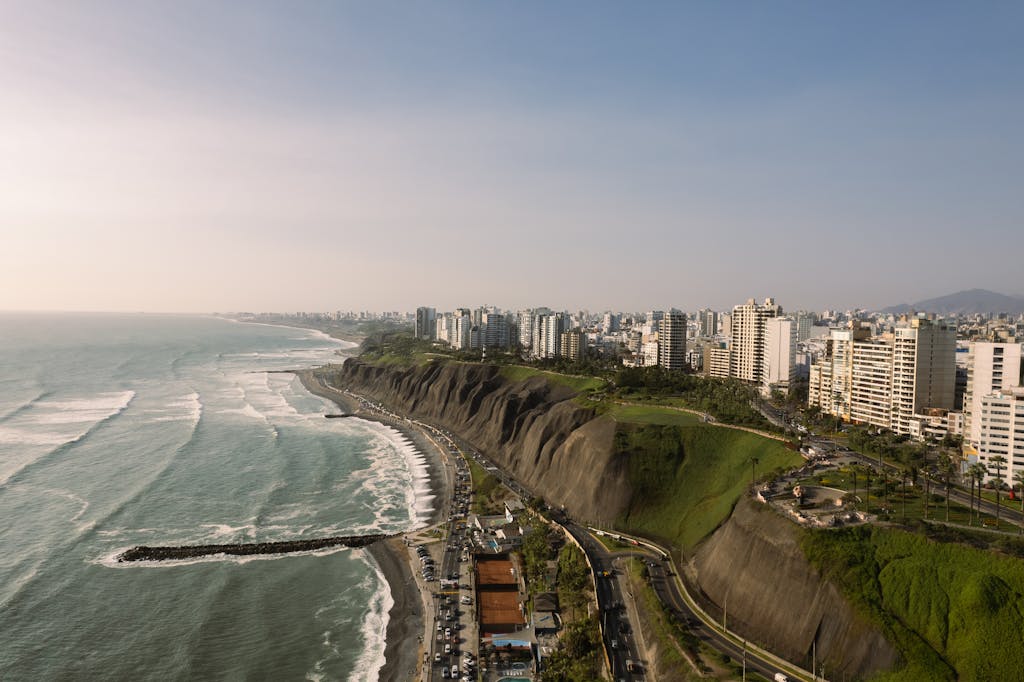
(403, 648)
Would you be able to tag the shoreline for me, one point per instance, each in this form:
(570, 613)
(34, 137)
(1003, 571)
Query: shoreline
(403, 649)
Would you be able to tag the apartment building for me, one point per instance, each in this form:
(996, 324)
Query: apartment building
(780, 340)
(1000, 420)
(672, 341)
(716, 361)
(747, 347)
(895, 381)
(547, 335)
(426, 323)
(574, 345)
(991, 367)
(923, 370)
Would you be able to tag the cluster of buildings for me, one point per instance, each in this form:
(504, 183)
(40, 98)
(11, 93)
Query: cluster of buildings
(540, 332)
(914, 375)
(922, 378)
(755, 342)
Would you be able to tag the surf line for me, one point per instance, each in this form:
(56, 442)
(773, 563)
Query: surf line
(144, 553)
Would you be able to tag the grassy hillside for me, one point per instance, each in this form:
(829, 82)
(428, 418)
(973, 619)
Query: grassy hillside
(651, 414)
(577, 383)
(954, 611)
(687, 478)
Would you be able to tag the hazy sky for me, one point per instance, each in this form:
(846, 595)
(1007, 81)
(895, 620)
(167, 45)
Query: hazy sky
(196, 156)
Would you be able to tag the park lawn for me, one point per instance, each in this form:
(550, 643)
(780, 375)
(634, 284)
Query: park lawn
(944, 605)
(686, 480)
(651, 414)
(576, 383)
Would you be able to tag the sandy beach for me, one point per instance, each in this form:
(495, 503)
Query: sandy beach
(403, 652)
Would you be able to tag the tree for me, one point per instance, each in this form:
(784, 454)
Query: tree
(905, 473)
(867, 487)
(977, 472)
(998, 463)
(947, 468)
(1019, 477)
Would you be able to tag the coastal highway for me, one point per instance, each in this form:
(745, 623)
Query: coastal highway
(667, 588)
(609, 593)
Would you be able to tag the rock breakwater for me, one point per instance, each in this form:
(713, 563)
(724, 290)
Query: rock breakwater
(144, 553)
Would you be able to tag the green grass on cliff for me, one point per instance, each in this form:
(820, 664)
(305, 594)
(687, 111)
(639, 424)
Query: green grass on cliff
(576, 383)
(652, 414)
(953, 611)
(687, 479)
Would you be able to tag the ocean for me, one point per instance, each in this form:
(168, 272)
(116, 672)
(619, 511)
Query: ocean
(120, 430)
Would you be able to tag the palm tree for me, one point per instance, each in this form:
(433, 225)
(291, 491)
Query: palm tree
(904, 475)
(1019, 477)
(948, 470)
(977, 472)
(753, 470)
(998, 463)
(867, 487)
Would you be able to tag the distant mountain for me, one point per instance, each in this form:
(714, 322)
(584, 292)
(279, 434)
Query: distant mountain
(970, 302)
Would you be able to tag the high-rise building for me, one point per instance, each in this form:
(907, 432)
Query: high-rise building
(461, 335)
(610, 323)
(547, 335)
(716, 361)
(747, 344)
(707, 322)
(991, 367)
(923, 370)
(672, 341)
(426, 323)
(524, 320)
(574, 345)
(804, 322)
(779, 354)
(899, 382)
(1001, 431)
(495, 330)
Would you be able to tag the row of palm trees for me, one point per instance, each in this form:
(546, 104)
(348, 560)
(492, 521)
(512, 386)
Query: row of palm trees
(977, 473)
(947, 471)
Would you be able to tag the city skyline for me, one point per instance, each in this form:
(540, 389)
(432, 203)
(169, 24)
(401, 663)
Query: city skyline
(194, 157)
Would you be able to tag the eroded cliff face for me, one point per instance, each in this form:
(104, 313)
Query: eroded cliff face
(755, 566)
(565, 453)
(530, 428)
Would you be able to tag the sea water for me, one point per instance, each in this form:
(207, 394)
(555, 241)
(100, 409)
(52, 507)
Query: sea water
(120, 430)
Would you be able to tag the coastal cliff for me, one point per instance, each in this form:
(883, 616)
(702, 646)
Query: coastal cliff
(568, 454)
(755, 564)
(531, 428)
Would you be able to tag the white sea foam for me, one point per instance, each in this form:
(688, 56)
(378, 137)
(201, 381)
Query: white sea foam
(419, 499)
(375, 628)
(49, 423)
(190, 402)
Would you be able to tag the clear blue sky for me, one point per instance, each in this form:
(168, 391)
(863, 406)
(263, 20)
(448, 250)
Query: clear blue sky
(196, 156)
